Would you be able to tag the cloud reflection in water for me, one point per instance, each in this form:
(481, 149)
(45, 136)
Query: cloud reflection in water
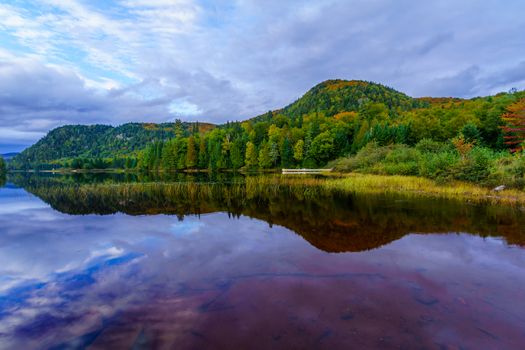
(119, 281)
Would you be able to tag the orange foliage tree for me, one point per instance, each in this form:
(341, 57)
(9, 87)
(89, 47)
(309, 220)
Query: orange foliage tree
(515, 126)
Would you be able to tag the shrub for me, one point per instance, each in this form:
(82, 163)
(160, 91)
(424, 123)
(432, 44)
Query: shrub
(437, 165)
(368, 156)
(402, 154)
(508, 170)
(474, 166)
(430, 146)
(440, 162)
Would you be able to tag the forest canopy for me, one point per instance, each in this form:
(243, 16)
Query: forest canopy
(335, 119)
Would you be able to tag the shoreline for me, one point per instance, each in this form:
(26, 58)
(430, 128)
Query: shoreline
(358, 183)
(406, 186)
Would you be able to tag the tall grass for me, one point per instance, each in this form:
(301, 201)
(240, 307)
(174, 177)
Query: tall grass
(405, 186)
(162, 194)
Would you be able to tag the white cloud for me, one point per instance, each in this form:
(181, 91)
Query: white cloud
(233, 60)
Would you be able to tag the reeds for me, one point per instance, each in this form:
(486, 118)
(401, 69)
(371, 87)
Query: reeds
(406, 186)
(267, 186)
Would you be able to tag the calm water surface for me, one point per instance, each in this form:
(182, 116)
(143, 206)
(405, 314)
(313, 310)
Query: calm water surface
(254, 271)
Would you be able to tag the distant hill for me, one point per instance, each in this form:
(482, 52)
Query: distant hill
(9, 156)
(97, 141)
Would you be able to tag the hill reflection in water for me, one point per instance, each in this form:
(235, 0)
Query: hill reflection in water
(333, 223)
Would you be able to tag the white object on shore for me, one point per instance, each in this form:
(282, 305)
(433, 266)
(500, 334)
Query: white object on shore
(499, 188)
(305, 171)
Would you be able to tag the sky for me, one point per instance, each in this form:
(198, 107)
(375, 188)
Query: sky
(112, 62)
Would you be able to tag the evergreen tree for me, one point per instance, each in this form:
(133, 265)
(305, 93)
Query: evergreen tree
(203, 154)
(191, 154)
(2, 166)
(286, 153)
(169, 155)
(237, 153)
(179, 130)
(182, 151)
(215, 154)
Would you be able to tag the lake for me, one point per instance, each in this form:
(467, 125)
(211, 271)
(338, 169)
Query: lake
(211, 262)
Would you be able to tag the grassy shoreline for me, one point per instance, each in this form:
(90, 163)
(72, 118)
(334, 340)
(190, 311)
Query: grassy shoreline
(407, 186)
(410, 187)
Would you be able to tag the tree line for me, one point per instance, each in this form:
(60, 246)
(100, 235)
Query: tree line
(334, 119)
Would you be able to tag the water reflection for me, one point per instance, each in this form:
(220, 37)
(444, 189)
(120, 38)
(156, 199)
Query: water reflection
(227, 279)
(329, 222)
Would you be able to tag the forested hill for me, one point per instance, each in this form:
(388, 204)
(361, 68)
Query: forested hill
(332, 97)
(99, 141)
(334, 119)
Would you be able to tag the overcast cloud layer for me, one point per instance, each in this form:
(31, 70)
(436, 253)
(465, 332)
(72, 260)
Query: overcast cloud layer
(74, 61)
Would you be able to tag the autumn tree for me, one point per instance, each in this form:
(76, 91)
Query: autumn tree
(463, 146)
(515, 126)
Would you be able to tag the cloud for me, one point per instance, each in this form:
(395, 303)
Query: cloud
(35, 98)
(508, 77)
(459, 84)
(129, 60)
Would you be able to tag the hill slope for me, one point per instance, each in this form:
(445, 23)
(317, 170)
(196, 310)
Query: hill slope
(96, 141)
(336, 96)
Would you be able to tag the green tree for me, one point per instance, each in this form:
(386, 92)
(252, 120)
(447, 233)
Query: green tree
(133, 163)
(274, 153)
(471, 133)
(203, 154)
(286, 153)
(298, 151)
(265, 161)
(169, 155)
(251, 155)
(179, 130)
(237, 153)
(182, 152)
(191, 153)
(3, 171)
(322, 147)
(214, 153)
(2, 166)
